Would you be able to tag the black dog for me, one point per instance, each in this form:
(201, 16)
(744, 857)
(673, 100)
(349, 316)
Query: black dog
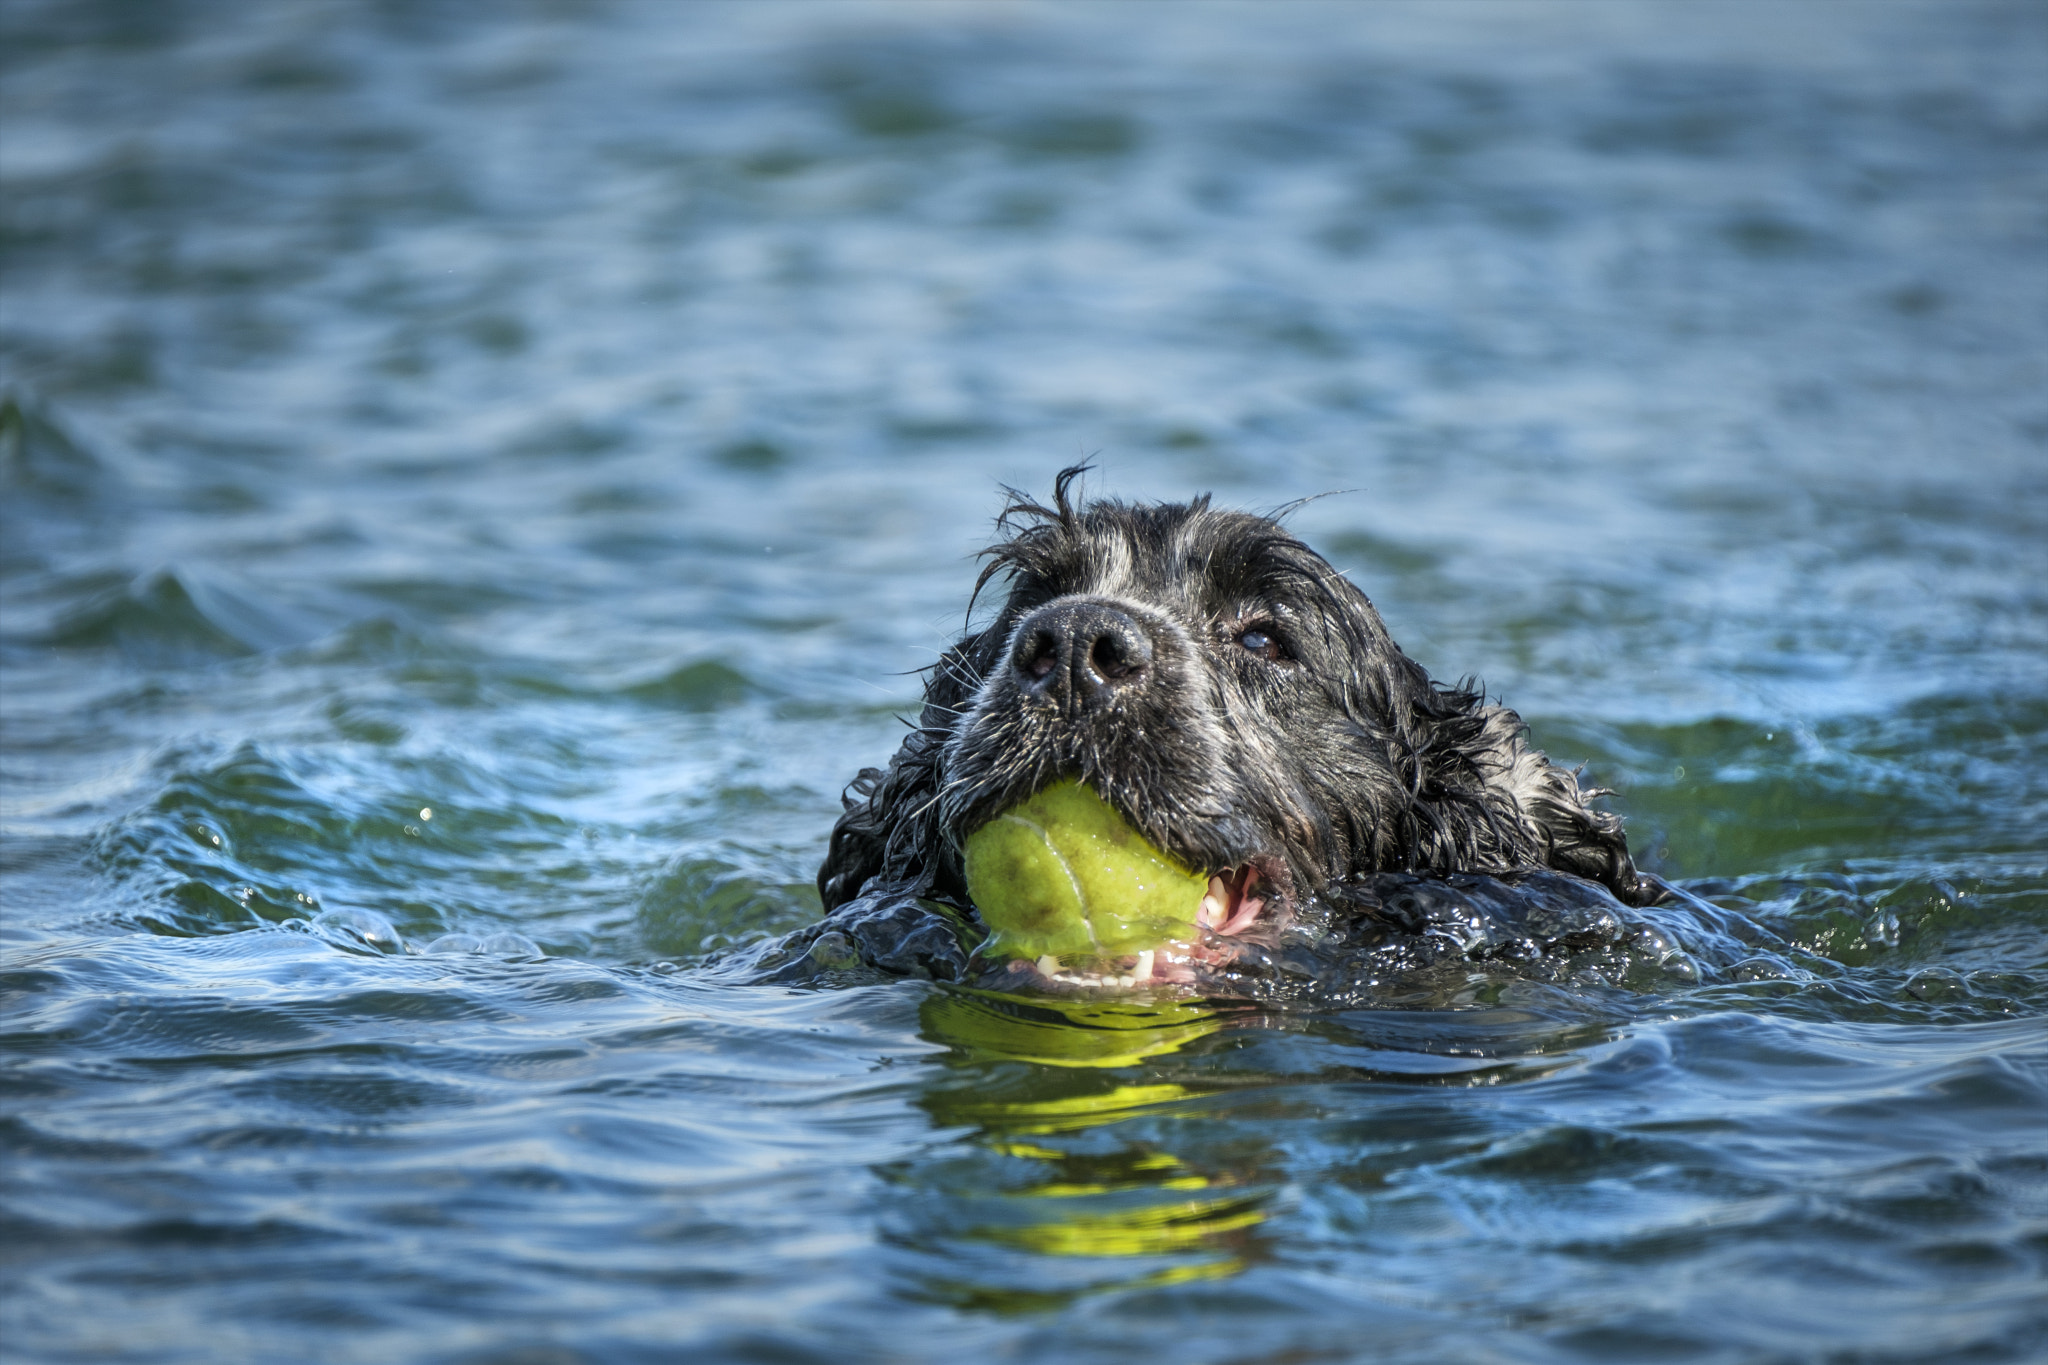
(1241, 704)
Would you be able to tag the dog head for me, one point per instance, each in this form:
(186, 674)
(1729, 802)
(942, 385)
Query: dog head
(1236, 699)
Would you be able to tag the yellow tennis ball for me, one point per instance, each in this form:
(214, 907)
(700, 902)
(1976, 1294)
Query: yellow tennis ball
(1064, 874)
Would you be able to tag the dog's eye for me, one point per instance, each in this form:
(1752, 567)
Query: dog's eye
(1256, 641)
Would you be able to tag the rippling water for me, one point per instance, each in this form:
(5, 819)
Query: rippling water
(478, 480)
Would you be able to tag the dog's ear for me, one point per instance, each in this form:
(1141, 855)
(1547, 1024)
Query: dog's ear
(855, 853)
(1582, 841)
(1476, 795)
(1570, 835)
(891, 825)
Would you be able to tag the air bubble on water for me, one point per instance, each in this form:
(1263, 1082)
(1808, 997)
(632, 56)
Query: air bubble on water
(2000, 983)
(1766, 967)
(455, 945)
(505, 943)
(1652, 943)
(357, 929)
(834, 951)
(1937, 984)
(426, 812)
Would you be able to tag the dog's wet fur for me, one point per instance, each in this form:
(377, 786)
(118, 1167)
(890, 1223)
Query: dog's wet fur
(1241, 703)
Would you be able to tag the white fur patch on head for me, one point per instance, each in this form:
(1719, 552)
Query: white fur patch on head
(1112, 571)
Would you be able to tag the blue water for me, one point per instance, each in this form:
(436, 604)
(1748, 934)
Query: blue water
(480, 478)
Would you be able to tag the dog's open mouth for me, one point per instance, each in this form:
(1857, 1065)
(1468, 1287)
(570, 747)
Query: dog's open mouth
(1234, 900)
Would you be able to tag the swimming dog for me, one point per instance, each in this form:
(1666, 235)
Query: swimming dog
(1241, 704)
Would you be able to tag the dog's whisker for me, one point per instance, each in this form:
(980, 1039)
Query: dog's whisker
(938, 796)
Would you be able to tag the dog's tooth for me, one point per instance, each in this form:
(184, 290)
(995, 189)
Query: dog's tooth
(1215, 904)
(1127, 981)
(1049, 965)
(1143, 971)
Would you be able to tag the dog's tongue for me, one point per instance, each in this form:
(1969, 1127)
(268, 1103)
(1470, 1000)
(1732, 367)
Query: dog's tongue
(1064, 875)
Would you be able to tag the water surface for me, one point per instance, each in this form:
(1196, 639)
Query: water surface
(479, 480)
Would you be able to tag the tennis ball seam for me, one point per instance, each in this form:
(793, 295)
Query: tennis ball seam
(1080, 899)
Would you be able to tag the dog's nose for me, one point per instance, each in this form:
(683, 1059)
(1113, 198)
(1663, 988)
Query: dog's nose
(1080, 654)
